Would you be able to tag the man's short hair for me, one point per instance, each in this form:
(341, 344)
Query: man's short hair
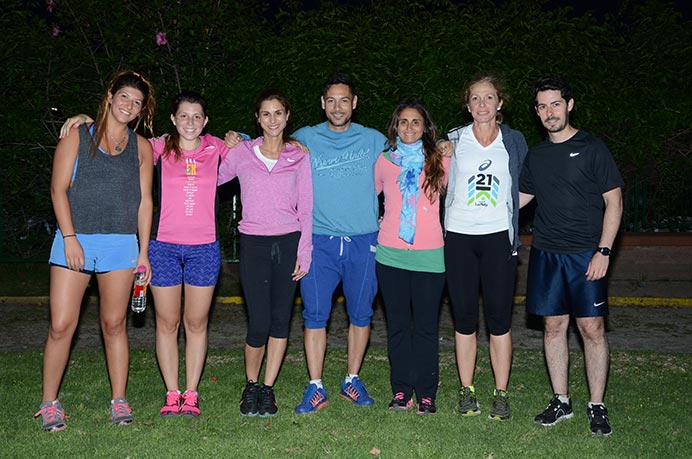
(553, 83)
(338, 78)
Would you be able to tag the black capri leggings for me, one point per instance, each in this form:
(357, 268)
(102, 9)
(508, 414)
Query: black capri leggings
(266, 264)
(480, 261)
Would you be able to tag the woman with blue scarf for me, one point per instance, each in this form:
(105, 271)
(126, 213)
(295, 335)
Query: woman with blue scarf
(410, 257)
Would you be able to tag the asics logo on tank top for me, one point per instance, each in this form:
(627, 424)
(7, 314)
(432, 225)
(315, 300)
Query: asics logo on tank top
(573, 154)
(485, 164)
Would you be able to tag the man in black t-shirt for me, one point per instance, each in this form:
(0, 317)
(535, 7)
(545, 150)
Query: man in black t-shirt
(578, 190)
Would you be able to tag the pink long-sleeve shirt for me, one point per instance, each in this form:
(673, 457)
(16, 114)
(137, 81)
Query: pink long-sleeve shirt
(274, 202)
(428, 229)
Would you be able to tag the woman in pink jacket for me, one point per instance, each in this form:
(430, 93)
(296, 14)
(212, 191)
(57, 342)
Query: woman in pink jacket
(410, 258)
(275, 241)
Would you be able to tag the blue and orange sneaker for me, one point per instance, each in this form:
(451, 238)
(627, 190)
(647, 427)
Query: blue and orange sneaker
(356, 393)
(314, 399)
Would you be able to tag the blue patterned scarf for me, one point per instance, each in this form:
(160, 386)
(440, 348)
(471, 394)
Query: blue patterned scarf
(410, 159)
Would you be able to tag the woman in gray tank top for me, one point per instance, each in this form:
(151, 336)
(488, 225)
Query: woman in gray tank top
(101, 193)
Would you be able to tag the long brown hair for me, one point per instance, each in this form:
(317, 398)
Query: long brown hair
(172, 142)
(434, 184)
(121, 80)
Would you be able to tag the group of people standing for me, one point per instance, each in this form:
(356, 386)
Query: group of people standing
(313, 216)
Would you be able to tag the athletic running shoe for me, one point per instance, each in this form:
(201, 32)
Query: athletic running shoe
(171, 406)
(121, 413)
(468, 403)
(314, 399)
(249, 399)
(356, 393)
(555, 412)
(598, 420)
(500, 410)
(267, 401)
(53, 416)
(426, 405)
(400, 402)
(190, 406)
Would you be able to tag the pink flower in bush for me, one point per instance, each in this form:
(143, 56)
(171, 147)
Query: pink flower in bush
(56, 31)
(49, 6)
(161, 39)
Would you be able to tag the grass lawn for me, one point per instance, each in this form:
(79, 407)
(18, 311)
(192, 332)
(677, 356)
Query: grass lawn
(644, 399)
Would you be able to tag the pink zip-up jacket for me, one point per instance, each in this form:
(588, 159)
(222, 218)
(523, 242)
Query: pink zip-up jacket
(428, 229)
(276, 202)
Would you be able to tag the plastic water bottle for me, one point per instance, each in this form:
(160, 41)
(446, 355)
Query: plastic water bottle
(139, 293)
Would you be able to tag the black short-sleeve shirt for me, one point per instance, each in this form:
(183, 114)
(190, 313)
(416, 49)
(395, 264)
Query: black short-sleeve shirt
(568, 180)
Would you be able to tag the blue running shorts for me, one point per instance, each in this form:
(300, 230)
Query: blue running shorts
(173, 264)
(347, 259)
(557, 285)
(102, 252)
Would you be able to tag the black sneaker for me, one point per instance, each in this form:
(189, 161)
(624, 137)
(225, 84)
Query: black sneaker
(426, 405)
(400, 402)
(598, 420)
(267, 401)
(555, 412)
(249, 400)
(500, 410)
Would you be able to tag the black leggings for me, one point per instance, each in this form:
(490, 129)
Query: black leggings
(480, 261)
(266, 264)
(412, 303)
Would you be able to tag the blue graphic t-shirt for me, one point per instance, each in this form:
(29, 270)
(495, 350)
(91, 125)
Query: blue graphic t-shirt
(343, 164)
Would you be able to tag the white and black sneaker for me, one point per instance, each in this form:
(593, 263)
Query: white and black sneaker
(598, 419)
(555, 412)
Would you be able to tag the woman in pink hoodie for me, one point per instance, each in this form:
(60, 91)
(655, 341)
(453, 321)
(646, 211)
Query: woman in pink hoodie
(275, 241)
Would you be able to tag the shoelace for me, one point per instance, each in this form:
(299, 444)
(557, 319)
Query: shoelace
(352, 391)
(249, 394)
(426, 401)
(190, 399)
(121, 409)
(399, 397)
(172, 399)
(50, 413)
(316, 398)
(267, 398)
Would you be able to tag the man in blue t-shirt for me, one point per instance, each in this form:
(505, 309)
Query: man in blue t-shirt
(345, 225)
(578, 189)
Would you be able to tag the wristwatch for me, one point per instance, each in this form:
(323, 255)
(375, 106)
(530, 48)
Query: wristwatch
(605, 251)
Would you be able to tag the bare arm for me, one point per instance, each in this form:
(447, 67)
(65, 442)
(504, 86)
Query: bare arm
(146, 205)
(63, 165)
(598, 267)
(74, 121)
(524, 199)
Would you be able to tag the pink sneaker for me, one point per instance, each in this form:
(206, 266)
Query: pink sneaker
(172, 405)
(190, 406)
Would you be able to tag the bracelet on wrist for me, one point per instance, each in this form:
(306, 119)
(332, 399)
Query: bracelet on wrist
(69, 235)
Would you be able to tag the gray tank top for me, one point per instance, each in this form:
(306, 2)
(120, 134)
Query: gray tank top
(105, 194)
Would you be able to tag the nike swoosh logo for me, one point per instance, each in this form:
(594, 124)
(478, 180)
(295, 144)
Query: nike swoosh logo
(572, 155)
(290, 160)
(595, 305)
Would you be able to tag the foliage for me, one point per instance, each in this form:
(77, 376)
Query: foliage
(630, 70)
